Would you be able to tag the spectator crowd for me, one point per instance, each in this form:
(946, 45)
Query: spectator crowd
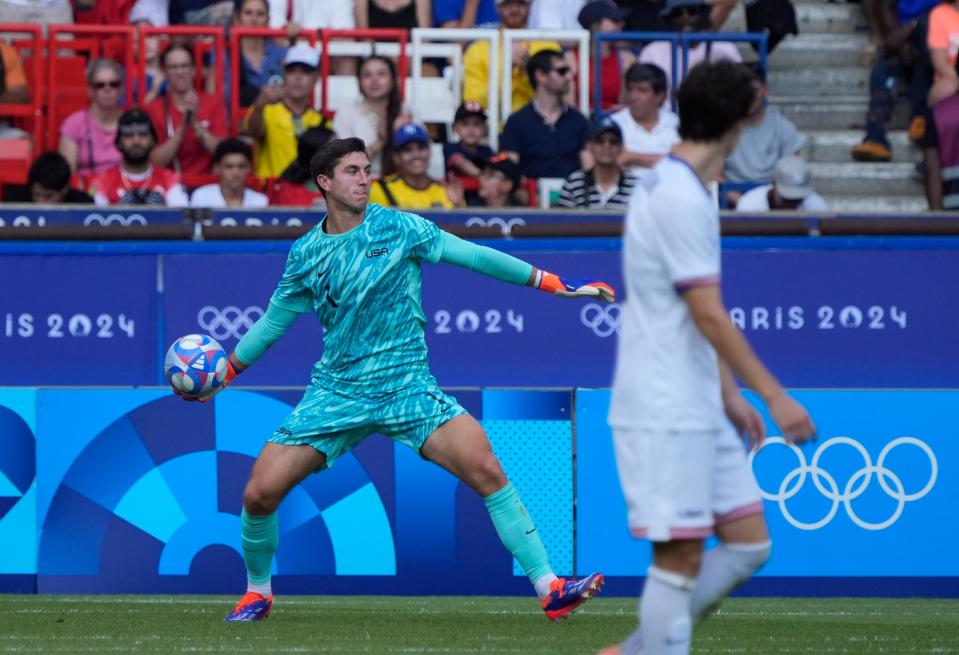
(151, 145)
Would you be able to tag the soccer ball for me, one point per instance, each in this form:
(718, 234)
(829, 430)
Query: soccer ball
(195, 365)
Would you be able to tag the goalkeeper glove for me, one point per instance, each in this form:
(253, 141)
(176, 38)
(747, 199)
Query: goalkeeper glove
(574, 288)
(231, 374)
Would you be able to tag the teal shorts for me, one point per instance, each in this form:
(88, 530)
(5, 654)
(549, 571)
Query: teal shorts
(333, 423)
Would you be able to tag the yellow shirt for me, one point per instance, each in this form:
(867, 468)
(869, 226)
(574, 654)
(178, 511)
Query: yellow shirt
(476, 73)
(277, 149)
(407, 197)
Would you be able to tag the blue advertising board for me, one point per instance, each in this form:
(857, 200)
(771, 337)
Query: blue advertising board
(505, 220)
(819, 318)
(18, 491)
(78, 319)
(872, 497)
(140, 492)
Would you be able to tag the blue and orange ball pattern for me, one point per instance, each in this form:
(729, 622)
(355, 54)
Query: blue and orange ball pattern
(195, 365)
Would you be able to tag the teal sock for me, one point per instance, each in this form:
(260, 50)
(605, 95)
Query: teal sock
(518, 532)
(261, 535)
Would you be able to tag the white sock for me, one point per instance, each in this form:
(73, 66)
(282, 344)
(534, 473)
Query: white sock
(541, 584)
(265, 589)
(724, 568)
(665, 627)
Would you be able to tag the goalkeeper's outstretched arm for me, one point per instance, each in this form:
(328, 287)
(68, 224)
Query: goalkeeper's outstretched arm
(501, 266)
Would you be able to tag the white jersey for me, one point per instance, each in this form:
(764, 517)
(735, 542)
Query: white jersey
(667, 375)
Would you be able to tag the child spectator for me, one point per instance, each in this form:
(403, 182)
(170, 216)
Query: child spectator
(88, 136)
(791, 190)
(48, 183)
(500, 183)
(233, 162)
(467, 157)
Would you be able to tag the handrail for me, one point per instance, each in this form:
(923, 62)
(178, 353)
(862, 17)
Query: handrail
(676, 40)
(580, 37)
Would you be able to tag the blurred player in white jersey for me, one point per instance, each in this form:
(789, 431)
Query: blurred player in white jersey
(676, 413)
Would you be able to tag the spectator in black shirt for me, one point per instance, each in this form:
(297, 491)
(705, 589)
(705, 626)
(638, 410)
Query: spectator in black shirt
(48, 183)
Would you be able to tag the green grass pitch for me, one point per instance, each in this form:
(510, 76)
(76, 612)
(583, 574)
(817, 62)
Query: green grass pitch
(385, 624)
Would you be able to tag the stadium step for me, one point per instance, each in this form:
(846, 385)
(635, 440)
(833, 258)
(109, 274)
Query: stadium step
(834, 145)
(841, 112)
(816, 81)
(866, 179)
(877, 204)
(819, 50)
(830, 18)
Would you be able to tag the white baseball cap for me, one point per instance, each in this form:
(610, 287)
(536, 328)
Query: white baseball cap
(303, 54)
(793, 178)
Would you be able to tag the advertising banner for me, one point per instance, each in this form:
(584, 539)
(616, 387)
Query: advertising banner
(869, 498)
(140, 492)
(78, 319)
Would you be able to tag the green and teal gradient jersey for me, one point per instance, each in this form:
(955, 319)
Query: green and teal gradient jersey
(365, 287)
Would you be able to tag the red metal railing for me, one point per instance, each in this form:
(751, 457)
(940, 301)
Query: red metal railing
(33, 109)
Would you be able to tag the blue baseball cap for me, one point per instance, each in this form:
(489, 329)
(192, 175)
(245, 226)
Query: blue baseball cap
(409, 133)
(603, 124)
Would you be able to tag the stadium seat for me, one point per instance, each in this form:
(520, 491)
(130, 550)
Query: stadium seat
(15, 158)
(548, 189)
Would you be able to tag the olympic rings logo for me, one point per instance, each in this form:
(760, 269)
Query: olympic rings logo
(856, 486)
(505, 225)
(603, 320)
(231, 321)
(115, 219)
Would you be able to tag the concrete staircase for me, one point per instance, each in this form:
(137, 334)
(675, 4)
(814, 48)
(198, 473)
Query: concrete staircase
(820, 81)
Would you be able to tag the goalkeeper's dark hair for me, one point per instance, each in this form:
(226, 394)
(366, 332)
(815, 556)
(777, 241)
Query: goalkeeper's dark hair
(328, 156)
(713, 98)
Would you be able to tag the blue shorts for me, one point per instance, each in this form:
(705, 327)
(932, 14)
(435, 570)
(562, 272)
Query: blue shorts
(333, 423)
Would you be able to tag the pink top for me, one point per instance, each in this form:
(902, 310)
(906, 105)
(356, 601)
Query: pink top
(80, 128)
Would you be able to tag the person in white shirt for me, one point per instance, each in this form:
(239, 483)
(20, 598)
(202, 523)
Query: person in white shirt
(233, 162)
(676, 409)
(791, 190)
(649, 127)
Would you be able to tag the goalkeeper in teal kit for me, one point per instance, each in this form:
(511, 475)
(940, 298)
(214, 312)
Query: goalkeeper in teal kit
(359, 272)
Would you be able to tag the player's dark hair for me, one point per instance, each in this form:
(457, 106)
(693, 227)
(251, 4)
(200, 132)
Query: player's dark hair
(307, 145)
(327, 157)
(51, 171)
(232, 147)
(542, 61)
(173, 47)
(713, 98)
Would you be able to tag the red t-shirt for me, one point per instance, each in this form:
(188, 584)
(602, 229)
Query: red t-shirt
(192, 156)
(283, 193)
(159, 189)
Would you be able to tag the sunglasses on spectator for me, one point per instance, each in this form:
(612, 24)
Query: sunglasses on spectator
(113, 84)
(130, 130)
(562, 70)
